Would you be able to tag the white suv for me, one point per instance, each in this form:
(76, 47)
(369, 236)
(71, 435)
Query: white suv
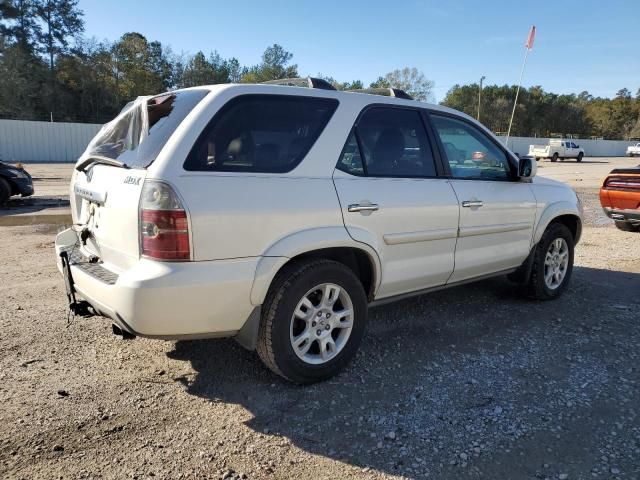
(278, 214)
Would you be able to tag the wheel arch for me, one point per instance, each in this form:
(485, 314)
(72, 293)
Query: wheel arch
(333, 243)
(560, 212)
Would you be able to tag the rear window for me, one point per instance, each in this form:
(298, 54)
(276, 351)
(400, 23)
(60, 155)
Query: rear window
(261, 133)
(138, 134)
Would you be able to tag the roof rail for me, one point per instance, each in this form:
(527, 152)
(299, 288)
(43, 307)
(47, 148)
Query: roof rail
(387, 92)
(309, 82)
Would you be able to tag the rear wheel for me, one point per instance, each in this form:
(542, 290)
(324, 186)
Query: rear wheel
(627, 226)
(555, 157)
(313, 321)
(580, 155)
(5, 191)
(552, 263)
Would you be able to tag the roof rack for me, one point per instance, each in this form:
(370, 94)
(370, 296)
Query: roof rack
(387, 92)
(309, 82)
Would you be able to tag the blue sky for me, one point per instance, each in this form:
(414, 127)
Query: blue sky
(580, 45)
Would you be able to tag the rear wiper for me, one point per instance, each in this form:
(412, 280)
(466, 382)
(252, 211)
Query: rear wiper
(94, 159)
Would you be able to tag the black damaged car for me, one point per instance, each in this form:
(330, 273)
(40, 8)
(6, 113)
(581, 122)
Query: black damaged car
(14, 180)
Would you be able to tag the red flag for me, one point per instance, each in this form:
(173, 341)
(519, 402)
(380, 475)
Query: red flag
(531, 38)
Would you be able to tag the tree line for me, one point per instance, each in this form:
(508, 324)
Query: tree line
(50, 70)
(544, 114)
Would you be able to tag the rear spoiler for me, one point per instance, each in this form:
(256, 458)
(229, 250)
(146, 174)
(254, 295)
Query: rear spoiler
(631, 171)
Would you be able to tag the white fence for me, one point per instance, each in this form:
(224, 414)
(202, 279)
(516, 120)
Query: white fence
(22, 141)
(592, 148)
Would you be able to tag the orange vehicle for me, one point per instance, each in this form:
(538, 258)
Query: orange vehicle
(620, 198)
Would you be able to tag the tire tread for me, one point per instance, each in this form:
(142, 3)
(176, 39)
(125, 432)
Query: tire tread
(535, 287)
(281, 284)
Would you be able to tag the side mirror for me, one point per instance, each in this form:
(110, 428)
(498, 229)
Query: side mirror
(527, 167)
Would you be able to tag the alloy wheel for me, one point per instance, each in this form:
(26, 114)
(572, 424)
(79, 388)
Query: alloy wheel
(321, 323)
(556, 263)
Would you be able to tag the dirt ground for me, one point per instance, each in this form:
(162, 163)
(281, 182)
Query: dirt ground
(472, 382)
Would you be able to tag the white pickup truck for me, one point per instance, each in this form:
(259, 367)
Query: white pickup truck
(633, 150)
(557, 149)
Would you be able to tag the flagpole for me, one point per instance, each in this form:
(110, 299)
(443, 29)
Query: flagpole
(513, 112)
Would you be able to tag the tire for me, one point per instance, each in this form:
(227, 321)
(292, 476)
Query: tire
(580, 155)
(555, 157)
(300, 281)
(538, 286)
(5, 191)
(627, 226)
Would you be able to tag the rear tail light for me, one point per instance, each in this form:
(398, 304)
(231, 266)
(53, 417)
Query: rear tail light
(164, 228)
(623, 183)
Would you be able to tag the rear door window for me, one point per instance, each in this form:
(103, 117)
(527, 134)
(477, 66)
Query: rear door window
(261, 133)
(388, 142)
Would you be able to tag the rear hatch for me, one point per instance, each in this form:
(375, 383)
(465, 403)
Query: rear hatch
(622, 189)
(109, 176)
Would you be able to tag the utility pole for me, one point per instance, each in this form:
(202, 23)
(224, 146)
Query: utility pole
(480, 96)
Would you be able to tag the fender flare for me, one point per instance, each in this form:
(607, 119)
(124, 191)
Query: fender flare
(553, 211)
(305, 241)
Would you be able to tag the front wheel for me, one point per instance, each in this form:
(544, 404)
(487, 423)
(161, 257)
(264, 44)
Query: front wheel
(555, 157)
(552, 263)
(580, 155)
(313, 321)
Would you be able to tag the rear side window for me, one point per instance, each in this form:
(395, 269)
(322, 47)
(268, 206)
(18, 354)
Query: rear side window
(261, 133)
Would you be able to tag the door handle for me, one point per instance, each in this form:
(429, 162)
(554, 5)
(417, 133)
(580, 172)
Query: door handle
(472, 203)
(356, 207)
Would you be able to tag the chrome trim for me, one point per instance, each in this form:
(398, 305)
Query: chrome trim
(489, 229)
(472, 203)
(421, 236)
(624, 214)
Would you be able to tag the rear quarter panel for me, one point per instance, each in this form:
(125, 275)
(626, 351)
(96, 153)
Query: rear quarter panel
(618, 198)
(243, 214)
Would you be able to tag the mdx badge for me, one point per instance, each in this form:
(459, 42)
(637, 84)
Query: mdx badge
(132, 180)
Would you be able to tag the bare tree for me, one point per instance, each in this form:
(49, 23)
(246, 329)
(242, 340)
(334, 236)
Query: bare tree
(411, 80)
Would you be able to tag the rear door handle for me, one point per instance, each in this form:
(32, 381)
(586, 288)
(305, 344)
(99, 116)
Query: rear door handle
(357, 207)
(472, 203)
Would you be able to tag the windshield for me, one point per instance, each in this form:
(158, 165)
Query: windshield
(136, 136)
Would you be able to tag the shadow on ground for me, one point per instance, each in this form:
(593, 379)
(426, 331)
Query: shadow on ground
(17, 205)
(460, 379)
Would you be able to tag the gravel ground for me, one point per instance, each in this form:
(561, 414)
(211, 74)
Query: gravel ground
(472, 382)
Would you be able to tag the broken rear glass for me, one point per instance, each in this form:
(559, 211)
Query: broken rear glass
(138, 134)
